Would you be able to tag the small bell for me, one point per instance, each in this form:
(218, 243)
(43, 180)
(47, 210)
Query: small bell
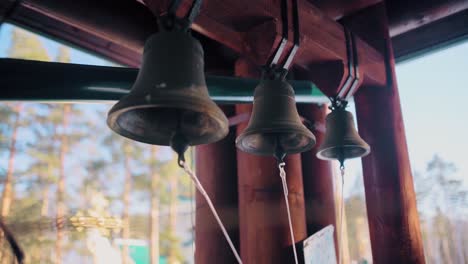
(170, 96)
(342, 141)
(275, 128)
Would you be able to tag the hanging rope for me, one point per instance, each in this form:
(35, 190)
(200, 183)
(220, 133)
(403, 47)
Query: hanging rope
(285, 192)
(200, 188)
(342, 170)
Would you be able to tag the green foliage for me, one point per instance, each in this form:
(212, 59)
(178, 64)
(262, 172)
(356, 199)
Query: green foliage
(25, 45)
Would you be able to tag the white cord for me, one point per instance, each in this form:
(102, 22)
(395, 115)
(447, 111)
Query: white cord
(342, 170)
(285, 191)
(200, 188)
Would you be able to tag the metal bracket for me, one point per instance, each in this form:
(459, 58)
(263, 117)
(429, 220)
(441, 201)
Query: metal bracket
(297, 36)
(352, 80)
(273, 70)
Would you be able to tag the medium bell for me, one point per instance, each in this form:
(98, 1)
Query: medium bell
(275, 126)
(170, 96)
(342, 140)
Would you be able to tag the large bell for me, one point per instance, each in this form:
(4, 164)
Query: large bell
(169, 96)
(342, 141)
(275, 126)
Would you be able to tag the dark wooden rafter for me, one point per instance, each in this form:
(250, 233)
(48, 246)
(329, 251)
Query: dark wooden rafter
(257, 33)
(431, 36)
(407, 15)
(118, 29)
(114, 29)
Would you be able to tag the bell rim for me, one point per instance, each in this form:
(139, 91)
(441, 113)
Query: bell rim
(299, 130)
(321, 150)
(117, 110)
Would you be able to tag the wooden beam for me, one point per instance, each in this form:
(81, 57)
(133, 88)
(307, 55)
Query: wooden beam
(431, 36)
(216, 167)
(408, 15)
(318, 177)
(390, 197)
(264, 229)
(115, 29)
(336, 9)
(257, 33)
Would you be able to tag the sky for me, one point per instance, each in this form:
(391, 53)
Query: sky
(433, 91)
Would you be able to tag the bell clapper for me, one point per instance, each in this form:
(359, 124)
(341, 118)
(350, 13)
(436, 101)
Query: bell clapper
(180, 145)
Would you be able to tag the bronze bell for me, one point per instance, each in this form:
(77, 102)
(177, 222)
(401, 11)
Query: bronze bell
(342, 140)
(169, 96)
(275, 126)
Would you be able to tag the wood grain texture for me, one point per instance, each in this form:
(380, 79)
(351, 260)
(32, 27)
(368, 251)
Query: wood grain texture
(391, 199)
(216, 167)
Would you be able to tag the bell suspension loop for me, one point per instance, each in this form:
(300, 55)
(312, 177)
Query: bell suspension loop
(170, 21)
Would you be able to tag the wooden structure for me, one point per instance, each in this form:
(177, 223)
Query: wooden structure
(239, 35)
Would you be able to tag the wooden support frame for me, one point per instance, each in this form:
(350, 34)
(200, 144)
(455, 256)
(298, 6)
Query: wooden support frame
(118, 30)
(257, 35)
(217, 169)
(391, 200)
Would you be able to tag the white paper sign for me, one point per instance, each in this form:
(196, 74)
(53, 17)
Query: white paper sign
(320, 247)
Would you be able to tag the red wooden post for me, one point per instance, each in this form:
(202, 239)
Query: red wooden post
(216, 167)
(318, 177)
(264, 229)
(391, 199)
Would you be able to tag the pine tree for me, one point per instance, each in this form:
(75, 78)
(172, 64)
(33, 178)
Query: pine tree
(24, 45)
(126, 153)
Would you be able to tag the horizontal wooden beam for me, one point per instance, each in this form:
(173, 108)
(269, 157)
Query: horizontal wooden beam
(432, 36)
(118, 30)
(407, 15)
(114, 29)
(257, 32)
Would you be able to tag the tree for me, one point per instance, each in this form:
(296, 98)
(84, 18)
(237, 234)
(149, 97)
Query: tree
(125, 152)
(7, 195)
(61, 206)
(438, 190)
(24, 45)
